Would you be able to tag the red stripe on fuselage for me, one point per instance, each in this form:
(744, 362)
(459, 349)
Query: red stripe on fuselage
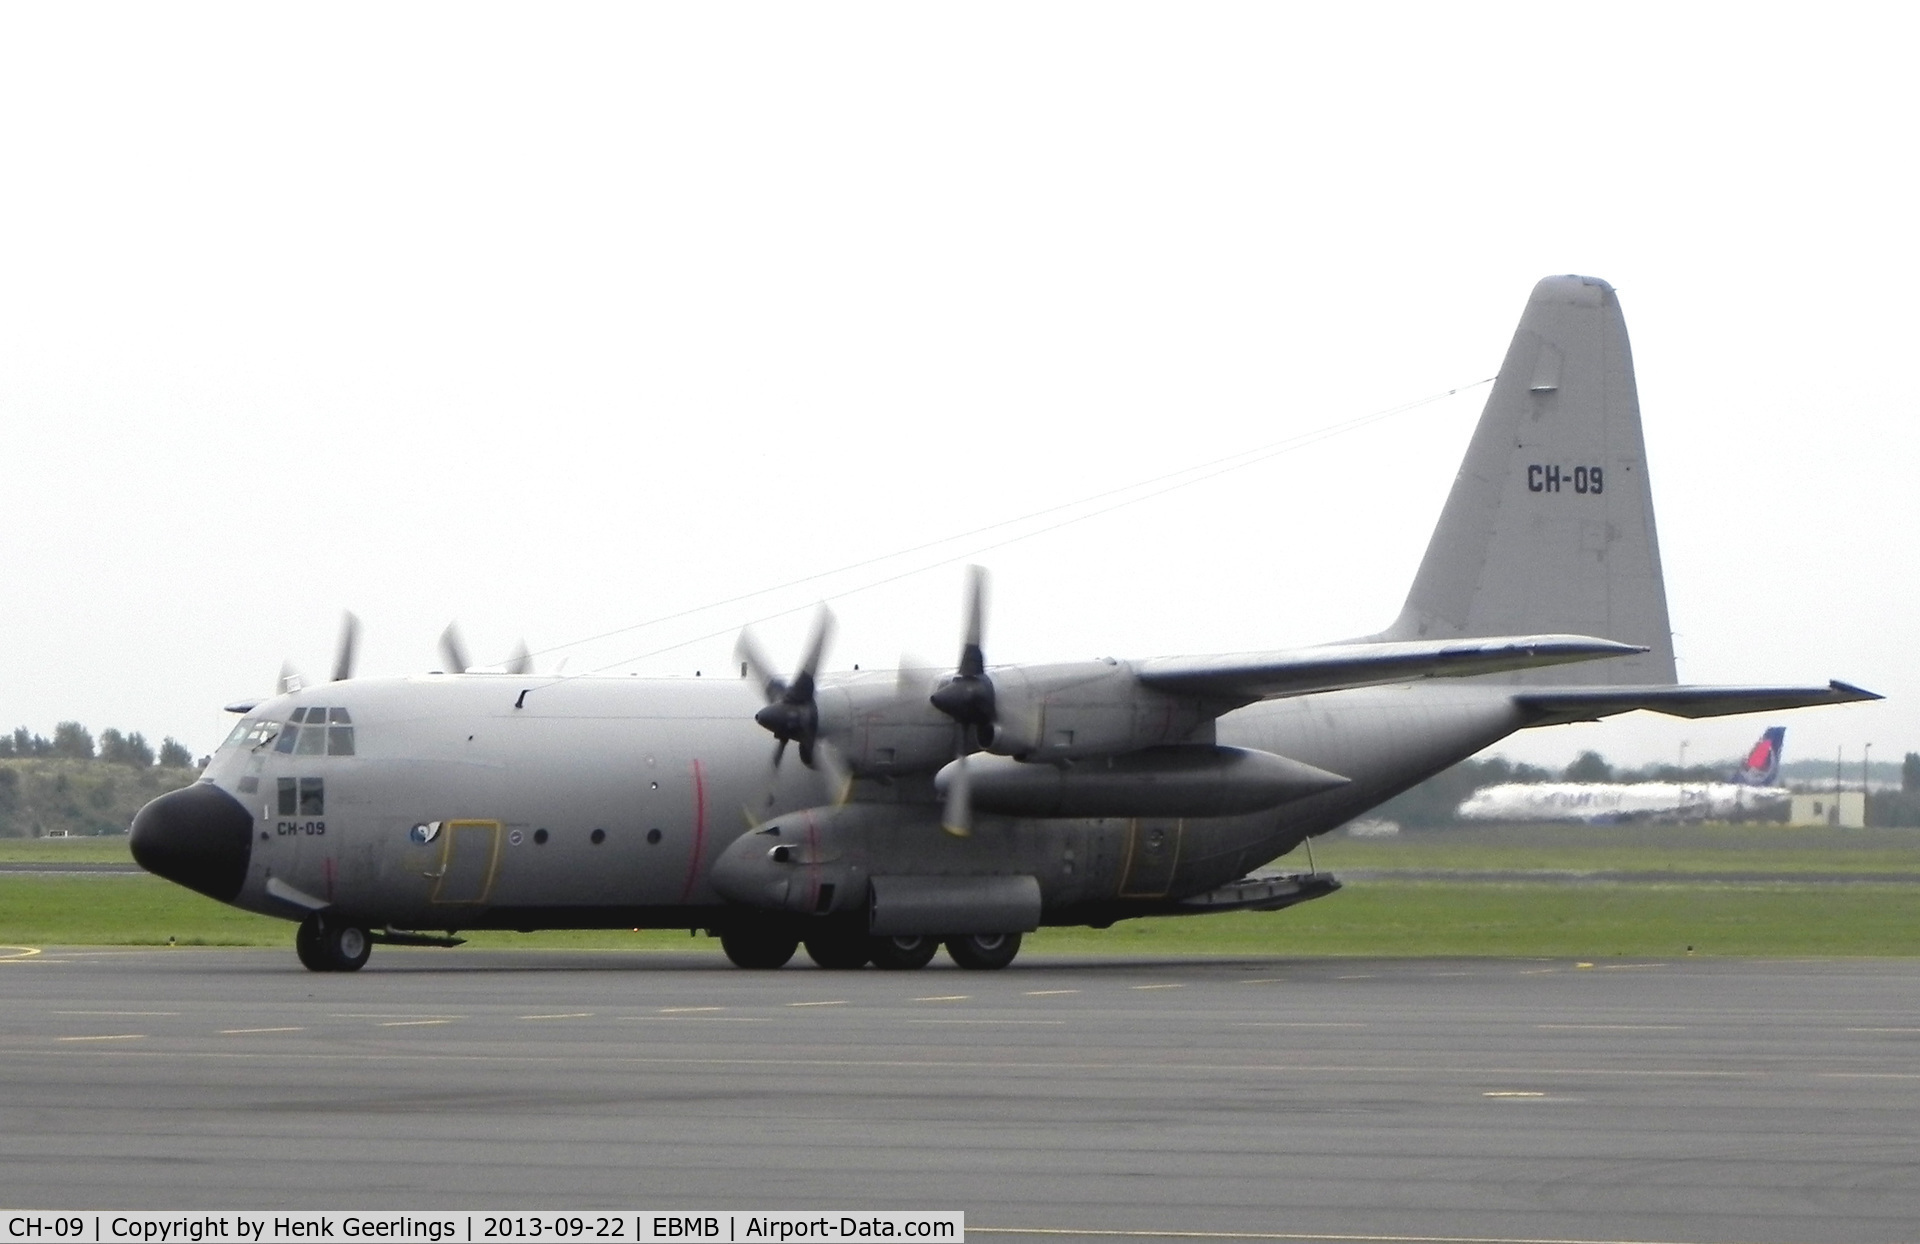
(699, 832)
(813, 864)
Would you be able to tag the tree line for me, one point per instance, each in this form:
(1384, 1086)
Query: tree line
(73, 741)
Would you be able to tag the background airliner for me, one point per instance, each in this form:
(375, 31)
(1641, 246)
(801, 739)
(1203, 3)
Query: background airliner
(1755, 784)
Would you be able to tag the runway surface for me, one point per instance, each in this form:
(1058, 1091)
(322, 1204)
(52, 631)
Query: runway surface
(1690, 1100)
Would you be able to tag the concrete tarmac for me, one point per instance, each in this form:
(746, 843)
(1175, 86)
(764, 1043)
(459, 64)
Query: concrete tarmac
(1287, 1099)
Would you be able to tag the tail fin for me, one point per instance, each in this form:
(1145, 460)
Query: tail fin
(1762, 766)
(1549, 527)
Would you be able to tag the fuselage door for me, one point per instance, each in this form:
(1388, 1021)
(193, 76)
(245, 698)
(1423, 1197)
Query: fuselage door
(1153, 852)
(468, 860)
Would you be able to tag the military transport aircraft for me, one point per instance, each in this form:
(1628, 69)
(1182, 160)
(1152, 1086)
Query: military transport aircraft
(967, 808)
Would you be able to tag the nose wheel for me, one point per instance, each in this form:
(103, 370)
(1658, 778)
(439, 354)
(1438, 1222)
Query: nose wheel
(331, 945)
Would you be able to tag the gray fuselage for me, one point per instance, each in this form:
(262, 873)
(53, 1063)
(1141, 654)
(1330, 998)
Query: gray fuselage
(604, 802)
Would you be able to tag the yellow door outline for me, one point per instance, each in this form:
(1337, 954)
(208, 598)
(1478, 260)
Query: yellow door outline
(1157, 874)
(449, 832)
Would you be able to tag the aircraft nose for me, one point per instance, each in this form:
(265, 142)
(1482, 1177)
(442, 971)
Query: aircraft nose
(199, 836)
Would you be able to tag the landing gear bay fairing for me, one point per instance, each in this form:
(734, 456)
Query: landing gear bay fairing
(964, 809)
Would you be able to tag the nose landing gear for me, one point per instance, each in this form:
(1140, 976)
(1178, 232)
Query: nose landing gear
(331, 945)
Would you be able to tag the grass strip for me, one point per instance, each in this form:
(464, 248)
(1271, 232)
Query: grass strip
(1378, 918)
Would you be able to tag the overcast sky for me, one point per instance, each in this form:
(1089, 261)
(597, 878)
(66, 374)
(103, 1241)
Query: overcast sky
(564, 320)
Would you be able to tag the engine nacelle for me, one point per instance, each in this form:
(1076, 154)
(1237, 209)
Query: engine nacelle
(860, 863)
(883, 723)
(1183, 780)
(1083, 709)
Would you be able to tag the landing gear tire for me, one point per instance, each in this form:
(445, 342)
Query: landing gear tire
(900, 954)
(347, 947)
(331, 946)
(306, 944)
(758, 948)
(838, 951)
(984, 952)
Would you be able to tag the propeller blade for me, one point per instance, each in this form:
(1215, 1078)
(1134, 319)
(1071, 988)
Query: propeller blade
(802, 687)
(956, 817)
(967, 696)
(521, 662)
(747, 651)
(914, 677)
(348, 648)
(834, 769)
(452, 651)
(972, 658)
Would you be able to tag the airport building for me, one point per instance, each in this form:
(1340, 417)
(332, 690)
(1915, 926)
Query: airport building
(1846, 809)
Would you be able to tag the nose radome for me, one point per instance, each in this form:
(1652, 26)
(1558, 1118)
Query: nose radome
(200, 837)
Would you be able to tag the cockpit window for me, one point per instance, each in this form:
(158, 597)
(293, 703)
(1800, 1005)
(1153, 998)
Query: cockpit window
(317, 731)
(252, 732)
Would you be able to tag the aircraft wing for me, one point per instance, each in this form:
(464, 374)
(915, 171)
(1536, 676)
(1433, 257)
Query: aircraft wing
(1559, 705)
(1245, 677)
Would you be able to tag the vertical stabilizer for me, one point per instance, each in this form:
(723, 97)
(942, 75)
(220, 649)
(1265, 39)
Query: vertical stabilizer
(1549, 527)
(1762, 766)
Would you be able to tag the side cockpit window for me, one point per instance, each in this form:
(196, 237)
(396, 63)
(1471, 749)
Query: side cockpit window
(317, 731)
(305, 796)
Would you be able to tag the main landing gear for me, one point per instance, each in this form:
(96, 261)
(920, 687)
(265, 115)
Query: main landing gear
(768, 946)
(982, 952)
(331, 945)
(758, 946)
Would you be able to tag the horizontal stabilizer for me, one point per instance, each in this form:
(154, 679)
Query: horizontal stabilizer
(1245, 677)
(1559, 705)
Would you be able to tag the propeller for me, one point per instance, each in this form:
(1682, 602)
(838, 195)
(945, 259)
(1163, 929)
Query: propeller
(345, 655)
(967, 697)
(956, 815)
(913, 677)
(453, 654)
(348, 649)
(453, 650)
(791, 715)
